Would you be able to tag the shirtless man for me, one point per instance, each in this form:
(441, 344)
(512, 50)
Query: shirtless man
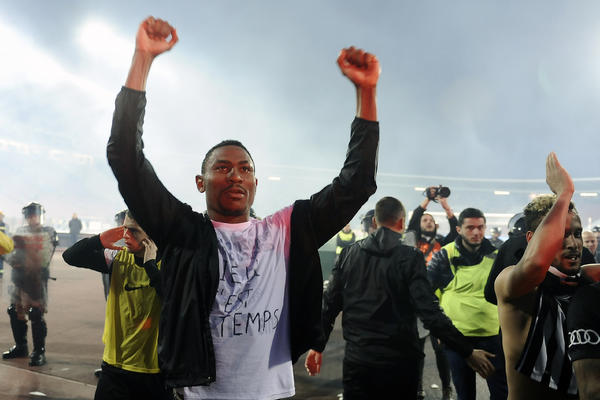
(533, 295)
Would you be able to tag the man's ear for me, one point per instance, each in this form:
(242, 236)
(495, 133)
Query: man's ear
(200, 183)
(401, 225)
(528, 236)
(458, 229)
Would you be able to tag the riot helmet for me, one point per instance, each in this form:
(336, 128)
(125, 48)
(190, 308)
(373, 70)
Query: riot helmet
(517, 225)
(34, 213)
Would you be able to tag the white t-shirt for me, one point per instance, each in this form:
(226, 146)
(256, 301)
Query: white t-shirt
(249, 320)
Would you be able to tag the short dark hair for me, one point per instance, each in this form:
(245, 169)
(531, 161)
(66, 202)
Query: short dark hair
(388, 211)
(537, 209)
(120, 217)
(228, 142)
(470, 213)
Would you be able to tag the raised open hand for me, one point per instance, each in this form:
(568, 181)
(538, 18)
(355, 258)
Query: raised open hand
(557, 178)
(110, 237)
(152, 36)
(360, 67)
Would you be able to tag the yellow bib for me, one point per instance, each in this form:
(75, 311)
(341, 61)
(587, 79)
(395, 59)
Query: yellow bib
(463, 299)
(132, 316)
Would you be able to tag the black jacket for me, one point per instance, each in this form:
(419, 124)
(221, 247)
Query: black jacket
(381, 286)
(190, 254)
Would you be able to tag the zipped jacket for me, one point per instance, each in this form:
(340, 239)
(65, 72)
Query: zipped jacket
(190, 253)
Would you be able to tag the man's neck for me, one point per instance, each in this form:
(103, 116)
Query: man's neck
(469, 247)
(228, 219)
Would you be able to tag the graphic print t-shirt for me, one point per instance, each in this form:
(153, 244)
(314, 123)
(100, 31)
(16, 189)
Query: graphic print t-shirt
(249, 320)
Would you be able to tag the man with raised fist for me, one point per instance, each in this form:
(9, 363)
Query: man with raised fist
(242, 296)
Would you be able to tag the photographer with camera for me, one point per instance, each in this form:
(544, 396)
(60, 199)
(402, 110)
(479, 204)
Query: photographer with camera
(424, 226)
(429, 242)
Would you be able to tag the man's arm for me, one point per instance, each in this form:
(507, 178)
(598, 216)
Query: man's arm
(151, 267)
(427, 307)
(156, 210)
(438, 270)
(150, 41)
(530, 271)
(336, 204)
(415, 219)
(587, 371)
(87, 253)
(332, 306)
(452, 221)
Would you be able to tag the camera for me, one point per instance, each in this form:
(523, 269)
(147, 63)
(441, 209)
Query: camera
(434, 192)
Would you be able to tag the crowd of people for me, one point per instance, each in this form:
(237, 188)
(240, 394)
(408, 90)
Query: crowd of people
(220, 305)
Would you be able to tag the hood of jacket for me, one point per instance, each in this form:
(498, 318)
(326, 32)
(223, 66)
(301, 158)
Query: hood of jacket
(382, 242)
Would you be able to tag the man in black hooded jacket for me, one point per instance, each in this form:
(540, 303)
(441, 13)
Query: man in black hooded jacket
(381, 285)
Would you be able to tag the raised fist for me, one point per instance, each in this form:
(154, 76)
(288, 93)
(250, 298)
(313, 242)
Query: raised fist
(360, 67)
(152, 36)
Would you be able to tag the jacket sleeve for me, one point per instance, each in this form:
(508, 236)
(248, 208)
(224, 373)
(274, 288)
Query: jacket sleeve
(338, 240)
(337, 203)
(415, 221)
(87, 253)
(333, 300)
(154, 208)
(451, 236)
(428, 309)
(438, 270)
(154, 274)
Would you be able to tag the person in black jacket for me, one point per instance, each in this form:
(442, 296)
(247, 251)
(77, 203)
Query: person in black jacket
(242, 296)
(381, 286)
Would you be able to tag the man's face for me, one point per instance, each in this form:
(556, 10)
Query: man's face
(590, 241)
(472, 231)
(33, 220)
(427, 224)
(229, 184)
(568, 259)
(133, 235)
(597, 234)
(347, 229)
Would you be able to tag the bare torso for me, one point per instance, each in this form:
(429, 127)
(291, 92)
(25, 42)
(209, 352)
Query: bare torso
(515, 320)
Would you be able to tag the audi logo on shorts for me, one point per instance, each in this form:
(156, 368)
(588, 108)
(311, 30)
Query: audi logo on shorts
(583, 336)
